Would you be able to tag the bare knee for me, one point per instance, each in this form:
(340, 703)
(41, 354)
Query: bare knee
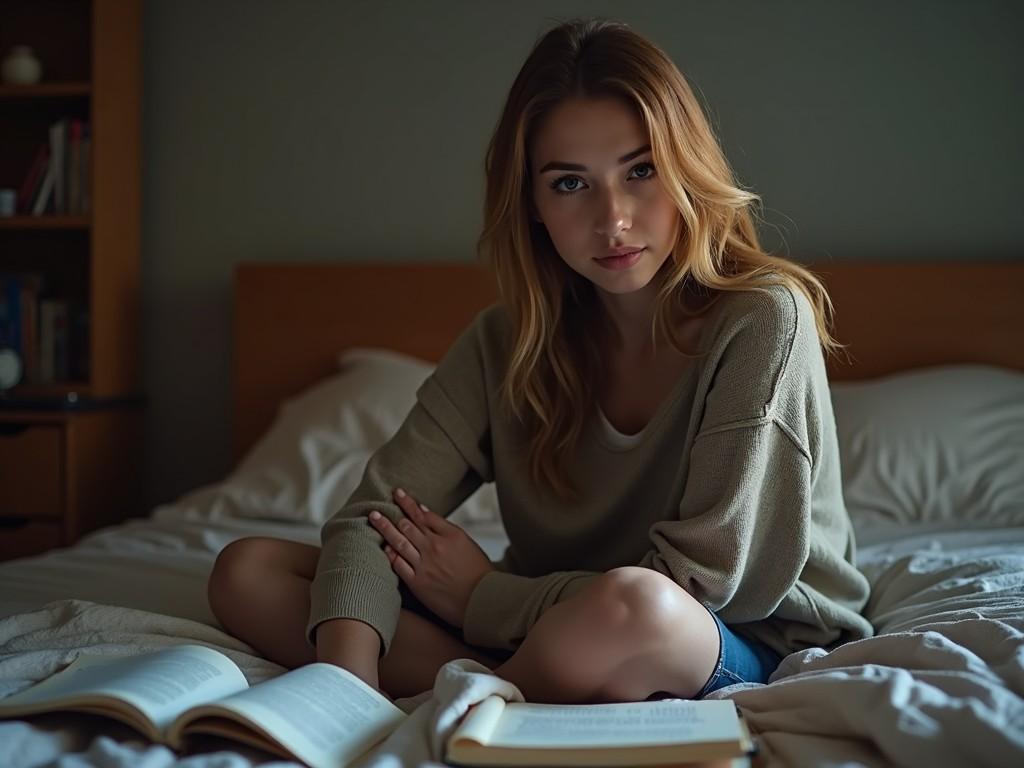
(644, 604)
(609, 642)
(669, 641)
(239, 569)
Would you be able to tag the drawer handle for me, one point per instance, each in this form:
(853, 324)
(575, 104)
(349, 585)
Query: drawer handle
(11, 522)
(12, 430)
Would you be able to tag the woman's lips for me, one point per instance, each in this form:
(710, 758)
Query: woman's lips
(625, 261)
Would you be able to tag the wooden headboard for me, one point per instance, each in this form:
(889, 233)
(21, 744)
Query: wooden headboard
(291, 321)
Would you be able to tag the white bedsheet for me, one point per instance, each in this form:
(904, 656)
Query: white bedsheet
(159, 564)
(940, 686)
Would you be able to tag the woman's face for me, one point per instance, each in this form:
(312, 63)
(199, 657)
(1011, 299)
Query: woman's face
(595, 190)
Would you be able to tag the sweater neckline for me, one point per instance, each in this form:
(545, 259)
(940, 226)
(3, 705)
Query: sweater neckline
(614, 440)
(610, 438)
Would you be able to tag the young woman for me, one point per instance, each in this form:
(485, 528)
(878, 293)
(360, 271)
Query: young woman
(649, 397)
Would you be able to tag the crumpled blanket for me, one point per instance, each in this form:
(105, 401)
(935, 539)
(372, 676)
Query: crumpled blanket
(420, 740)
(946, 696)
(942, 684)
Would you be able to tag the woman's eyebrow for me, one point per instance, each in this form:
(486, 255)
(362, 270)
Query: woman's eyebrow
(558, 165)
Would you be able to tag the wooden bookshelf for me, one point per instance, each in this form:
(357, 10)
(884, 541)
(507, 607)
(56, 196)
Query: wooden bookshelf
(46, 91)
(48, 221)
(91, 56)
(88, 259)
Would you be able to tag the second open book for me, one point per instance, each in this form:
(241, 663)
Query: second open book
(325, 717)
(674, 731)
(319, 714)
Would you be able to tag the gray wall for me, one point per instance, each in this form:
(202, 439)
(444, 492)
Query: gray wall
(313, 131)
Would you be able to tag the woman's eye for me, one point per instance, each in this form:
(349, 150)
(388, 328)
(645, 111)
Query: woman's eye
(557, 185)
(648, 167)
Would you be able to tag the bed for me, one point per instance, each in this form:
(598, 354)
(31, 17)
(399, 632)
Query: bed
(327, 357)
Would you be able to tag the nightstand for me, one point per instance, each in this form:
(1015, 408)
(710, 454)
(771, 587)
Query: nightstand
(64, 473)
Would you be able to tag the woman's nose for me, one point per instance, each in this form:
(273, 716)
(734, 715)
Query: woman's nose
(613, 215)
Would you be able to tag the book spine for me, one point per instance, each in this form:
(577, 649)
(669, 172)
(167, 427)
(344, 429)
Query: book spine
(35, 174)
(42, 200)
(58, 140)
(12, 288)
(86, 168)
(74, 167)
(61, 342)
(47, 310)
(31, 288)
(5, 328)
(80, 344)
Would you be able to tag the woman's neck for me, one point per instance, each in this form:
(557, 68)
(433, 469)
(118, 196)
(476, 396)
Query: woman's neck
(629, 323)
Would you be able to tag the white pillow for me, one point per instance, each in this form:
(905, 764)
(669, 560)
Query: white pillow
(940, 445)
(313, 456)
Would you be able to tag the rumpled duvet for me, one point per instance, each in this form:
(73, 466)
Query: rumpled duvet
(940, 685)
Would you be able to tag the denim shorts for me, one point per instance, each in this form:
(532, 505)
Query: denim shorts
(739, 661)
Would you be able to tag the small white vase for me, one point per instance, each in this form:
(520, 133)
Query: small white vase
(21, 67)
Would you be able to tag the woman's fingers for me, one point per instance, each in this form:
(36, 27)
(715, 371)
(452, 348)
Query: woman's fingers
(417, 529)
(396, 537)
(420, 514)
(409, 506)
(409, 537)
(399, 564)
(433, 521)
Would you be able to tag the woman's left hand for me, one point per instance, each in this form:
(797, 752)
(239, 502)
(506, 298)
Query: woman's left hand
(436, 559)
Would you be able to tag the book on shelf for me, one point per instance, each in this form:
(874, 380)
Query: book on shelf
(49, 334)
(31, 286)
(326, 717)
(85, 171)
(58, 153)
(34, 177)
(54, 338)
(57, 181)
(41, 203)
(10, 313)
(78, 343)
(74, 166)
(19, 318)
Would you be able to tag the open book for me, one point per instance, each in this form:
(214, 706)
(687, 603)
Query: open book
(497, 732)
(318, 714)
(326, 717)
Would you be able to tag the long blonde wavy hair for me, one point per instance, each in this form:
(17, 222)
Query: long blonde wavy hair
(555, 359)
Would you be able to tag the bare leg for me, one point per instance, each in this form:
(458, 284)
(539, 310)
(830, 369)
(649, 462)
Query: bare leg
(631, 633)
(259, 591)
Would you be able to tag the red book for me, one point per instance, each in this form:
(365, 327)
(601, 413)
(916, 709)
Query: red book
(32, 180)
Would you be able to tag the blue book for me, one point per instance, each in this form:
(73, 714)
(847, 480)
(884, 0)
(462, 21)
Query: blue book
(10, 313)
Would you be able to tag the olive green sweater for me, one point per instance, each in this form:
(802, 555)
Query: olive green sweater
(732, 490)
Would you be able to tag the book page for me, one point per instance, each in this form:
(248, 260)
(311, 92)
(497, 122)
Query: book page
(321, 713)
(160, 685)
(480, 721)
(674, 721)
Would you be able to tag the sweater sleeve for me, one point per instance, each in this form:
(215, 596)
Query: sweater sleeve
(741, 536)
(440, 455)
